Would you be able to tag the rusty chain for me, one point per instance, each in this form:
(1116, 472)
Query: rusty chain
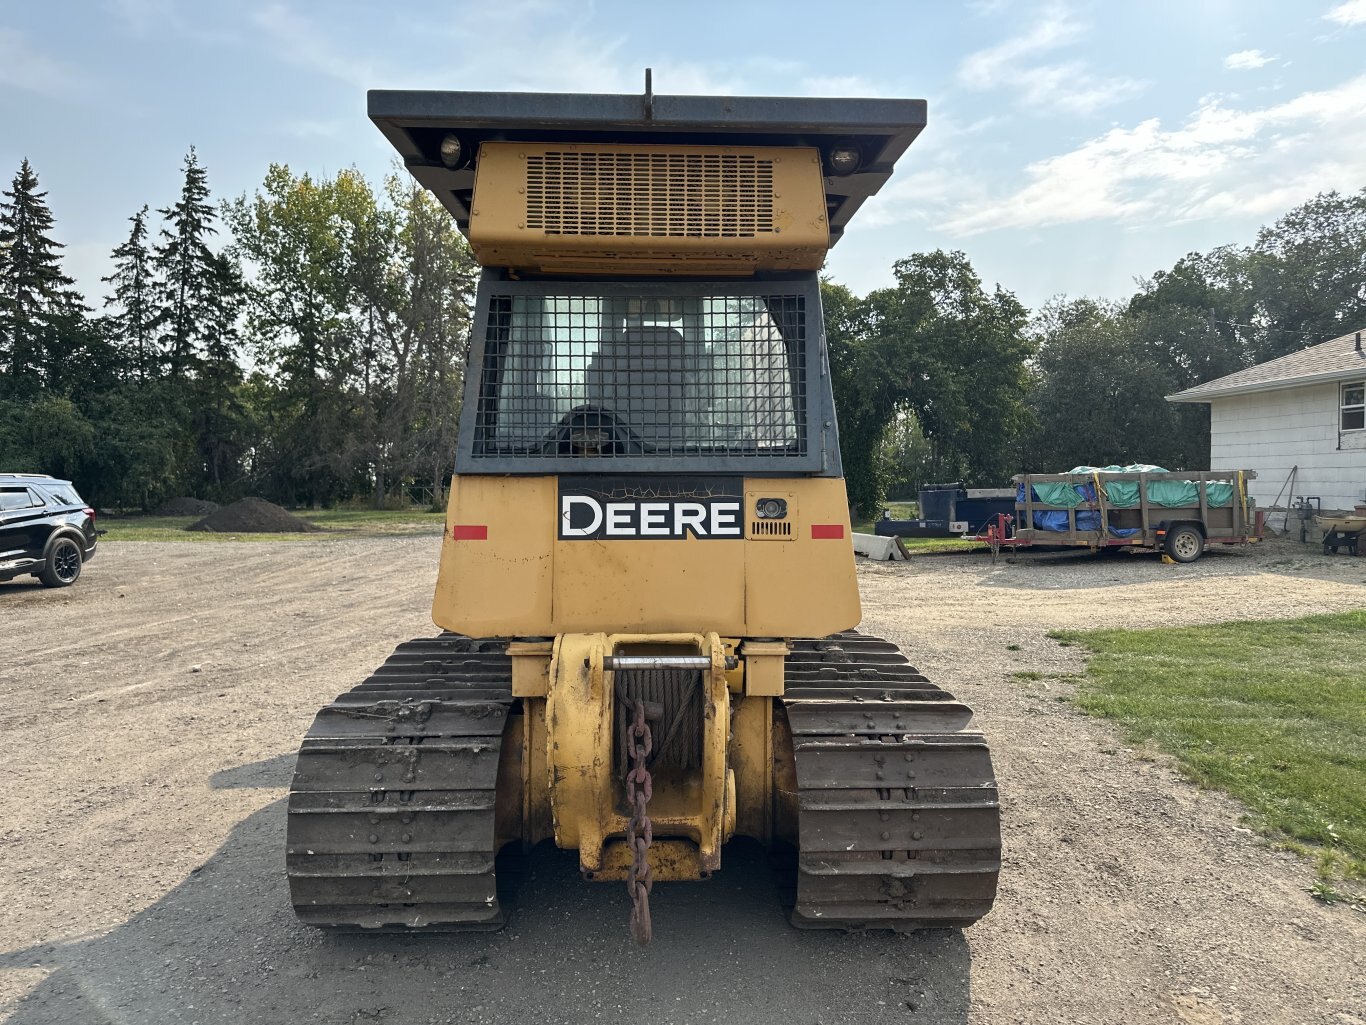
(639, 831)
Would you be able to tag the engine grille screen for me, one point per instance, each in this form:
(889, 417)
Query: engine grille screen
(621, 378)
(664, 195)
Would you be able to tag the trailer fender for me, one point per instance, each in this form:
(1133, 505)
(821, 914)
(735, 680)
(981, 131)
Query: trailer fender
(1166, 527)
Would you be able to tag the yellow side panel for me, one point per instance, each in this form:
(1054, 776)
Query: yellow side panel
(805, 587)
(500, 585)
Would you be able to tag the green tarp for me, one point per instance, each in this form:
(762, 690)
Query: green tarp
(1123, 494)
(1063, 496)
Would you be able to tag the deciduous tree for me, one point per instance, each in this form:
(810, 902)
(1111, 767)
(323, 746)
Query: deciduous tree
(941, 347)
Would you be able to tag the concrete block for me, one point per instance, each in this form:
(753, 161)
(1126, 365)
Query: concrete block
(880, 549)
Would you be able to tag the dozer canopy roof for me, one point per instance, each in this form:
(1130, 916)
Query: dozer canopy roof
(877, 131)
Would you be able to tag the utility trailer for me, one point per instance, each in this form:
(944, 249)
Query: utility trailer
(1179, 513)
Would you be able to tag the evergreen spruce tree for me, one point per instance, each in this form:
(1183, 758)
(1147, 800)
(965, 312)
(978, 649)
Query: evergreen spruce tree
(186, 271)
(222, 424)
(37, 301)
(222, 328)
(134, 301)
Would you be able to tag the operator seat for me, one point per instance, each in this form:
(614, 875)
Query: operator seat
(648, 377)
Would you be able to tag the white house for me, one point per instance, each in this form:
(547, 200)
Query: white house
(1304, 412)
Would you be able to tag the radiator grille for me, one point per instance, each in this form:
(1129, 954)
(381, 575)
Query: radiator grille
(660, 195)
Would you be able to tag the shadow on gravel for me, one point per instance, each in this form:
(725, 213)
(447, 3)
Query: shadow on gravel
(1081, 569)
(270, 772)
(24, 585)
(224, 946)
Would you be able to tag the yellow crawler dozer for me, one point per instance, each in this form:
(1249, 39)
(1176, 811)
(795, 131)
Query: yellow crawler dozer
(646, 582)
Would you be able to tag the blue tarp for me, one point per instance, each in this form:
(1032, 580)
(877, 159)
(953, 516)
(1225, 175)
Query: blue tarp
(1055, 520)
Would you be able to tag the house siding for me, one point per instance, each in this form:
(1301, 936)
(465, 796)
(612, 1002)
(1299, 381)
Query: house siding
(1272, 431)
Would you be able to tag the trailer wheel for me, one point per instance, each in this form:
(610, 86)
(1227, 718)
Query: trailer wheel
(1185, 543)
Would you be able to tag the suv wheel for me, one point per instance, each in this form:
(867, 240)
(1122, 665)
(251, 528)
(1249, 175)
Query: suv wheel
(63, 564)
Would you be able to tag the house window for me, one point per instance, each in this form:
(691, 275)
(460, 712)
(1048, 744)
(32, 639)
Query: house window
(1354, 406)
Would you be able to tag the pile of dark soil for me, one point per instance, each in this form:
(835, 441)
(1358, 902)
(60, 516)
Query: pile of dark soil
(253, 516)
(185, 507)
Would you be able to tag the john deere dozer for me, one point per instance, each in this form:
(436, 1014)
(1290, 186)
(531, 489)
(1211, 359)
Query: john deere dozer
(646, 582)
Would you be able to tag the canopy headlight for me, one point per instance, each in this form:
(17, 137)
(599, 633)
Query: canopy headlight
(451, 151)
(845, 159)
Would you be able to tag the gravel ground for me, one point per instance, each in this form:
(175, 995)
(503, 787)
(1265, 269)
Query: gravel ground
(150, 715)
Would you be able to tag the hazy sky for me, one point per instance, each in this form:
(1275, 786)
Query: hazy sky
(1071, 147)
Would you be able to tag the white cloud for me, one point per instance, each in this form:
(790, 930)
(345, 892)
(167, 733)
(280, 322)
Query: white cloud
(23, 67)
(152, 18)
(527, 45)
(299, 42)
(1068, 86)
(522, 45)
(920, 196)
(987, 8)
(1221, 162)
(1247, 60)
(1351, 12)
(998, 65)
(940, 175)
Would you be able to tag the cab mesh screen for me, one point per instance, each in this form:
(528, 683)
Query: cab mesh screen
(608, 376)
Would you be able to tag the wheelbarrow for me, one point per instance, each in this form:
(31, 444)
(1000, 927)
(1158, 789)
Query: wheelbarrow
(1342, 532)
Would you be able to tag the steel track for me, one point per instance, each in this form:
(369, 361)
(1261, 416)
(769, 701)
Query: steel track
(391, 812)
(391, 822)
(898, 813)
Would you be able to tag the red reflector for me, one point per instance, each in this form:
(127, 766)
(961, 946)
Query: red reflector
(469, 532)
(827, 531)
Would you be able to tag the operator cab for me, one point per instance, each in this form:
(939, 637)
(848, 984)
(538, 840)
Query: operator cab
(650, 296)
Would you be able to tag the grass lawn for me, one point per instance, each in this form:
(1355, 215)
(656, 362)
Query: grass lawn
(933, 545)
(918, 545)
(927, 545)
(1273, 712)
(334, 523)
(899, 511)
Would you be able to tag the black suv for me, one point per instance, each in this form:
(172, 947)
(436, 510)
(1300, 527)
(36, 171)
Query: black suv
(46, 529)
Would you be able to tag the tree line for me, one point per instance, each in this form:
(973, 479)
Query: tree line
(938, 379)
(307, 343)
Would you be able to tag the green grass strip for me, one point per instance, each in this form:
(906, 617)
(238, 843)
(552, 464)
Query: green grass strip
(927, 545)
(1274, 713)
